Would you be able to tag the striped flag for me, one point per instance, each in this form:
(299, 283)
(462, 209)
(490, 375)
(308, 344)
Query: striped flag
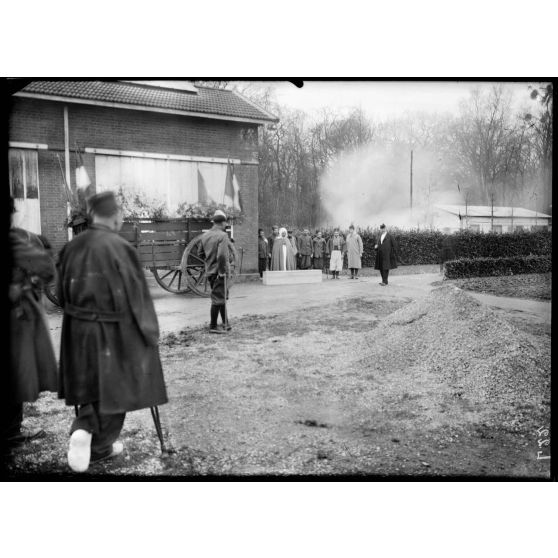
(232, 190)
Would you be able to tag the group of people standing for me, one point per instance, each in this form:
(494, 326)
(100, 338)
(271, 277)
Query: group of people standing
(283, 251)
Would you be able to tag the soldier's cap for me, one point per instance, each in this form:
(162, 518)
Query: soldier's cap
(219, 216)
(103, 204)
(382, 226)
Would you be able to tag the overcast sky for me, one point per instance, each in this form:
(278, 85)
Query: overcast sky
(385, 99)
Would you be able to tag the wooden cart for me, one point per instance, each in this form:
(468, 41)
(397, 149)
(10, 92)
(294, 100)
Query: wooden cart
(169, 249)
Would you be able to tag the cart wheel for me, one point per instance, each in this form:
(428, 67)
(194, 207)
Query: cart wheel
(193, 268)
(171, 279)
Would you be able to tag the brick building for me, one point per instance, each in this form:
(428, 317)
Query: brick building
(158, 140)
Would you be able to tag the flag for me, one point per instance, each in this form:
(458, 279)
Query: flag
(82, 178)
(203, 196)
(231, 197)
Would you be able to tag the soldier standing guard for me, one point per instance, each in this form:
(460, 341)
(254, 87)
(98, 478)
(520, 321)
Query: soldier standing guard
(109, 355)
(214, 249)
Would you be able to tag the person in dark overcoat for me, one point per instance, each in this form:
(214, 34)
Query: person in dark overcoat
(305, 249)
(32, 367)
(109, 355)
(263, 252)
(319, 249)
(215, 248)
(387, 254)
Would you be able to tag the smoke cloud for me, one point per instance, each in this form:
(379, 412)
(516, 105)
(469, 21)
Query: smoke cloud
(371, 185)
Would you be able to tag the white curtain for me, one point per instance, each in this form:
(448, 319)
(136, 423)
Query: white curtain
(169, 181)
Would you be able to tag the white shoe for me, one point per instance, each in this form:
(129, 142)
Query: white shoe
(79, 452)
(117, 449)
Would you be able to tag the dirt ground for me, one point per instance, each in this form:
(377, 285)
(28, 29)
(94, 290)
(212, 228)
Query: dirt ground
(437, 386)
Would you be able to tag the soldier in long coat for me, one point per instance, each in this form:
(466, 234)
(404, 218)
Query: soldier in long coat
(354, 251)
(109, 355)
(387, 254)
(32, 367)
(305, 249)
(216, 250)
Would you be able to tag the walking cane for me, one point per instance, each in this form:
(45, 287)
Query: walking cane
(157, 422)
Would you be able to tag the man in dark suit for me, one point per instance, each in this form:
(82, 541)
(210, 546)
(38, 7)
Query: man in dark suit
(387, 254)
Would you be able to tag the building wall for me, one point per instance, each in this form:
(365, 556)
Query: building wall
(37, 121)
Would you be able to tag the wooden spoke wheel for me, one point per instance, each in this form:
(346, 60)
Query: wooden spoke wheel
(193, 269)
(171, 279)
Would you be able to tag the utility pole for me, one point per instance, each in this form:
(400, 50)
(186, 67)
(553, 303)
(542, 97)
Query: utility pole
(466, 209)
(492, 212)
(411, 177)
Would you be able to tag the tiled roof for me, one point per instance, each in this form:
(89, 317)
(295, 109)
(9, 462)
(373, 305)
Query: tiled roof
(486, 210)
(206, 100)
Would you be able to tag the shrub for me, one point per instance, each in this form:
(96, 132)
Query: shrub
(490, 267)
(419, 247)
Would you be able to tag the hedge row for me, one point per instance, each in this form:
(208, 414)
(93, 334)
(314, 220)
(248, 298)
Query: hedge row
(425, 246)
(490, 267)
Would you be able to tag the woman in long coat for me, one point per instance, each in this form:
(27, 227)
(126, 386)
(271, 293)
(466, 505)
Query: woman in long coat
(354, 251)
(387, 254)
(283, 256)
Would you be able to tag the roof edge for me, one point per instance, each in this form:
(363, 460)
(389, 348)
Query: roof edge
(82, 101)
(271, 116)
